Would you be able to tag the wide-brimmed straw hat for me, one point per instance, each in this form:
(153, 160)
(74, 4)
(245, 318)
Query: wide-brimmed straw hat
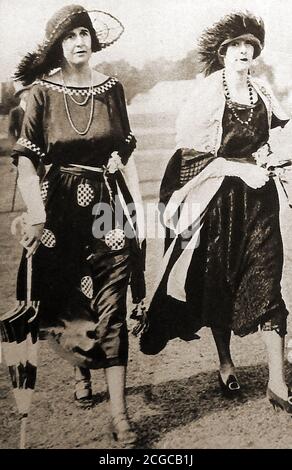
(232, 27)
(104, 29)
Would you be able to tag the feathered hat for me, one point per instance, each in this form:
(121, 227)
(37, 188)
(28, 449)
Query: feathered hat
(214, 40)
(104, 29)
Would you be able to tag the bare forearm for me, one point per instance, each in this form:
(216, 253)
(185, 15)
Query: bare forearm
(131, 176)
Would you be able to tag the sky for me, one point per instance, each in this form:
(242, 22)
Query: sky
(153, 28)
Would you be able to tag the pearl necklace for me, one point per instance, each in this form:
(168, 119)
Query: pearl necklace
(90, 93)
(80, 103)
(230, 104)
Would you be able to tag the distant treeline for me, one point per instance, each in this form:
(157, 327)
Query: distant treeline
(8, 100)
(141, 80)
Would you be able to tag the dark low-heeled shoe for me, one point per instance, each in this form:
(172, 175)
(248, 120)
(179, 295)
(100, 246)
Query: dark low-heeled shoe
(83, 394)
(279, 403)
(83, 402)
(83, 391)
(122, 431)
(231, 388)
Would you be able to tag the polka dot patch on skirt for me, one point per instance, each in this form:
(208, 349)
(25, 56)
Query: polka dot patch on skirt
(85, 194)
(115, 239)
(48, 239)
(87, 286)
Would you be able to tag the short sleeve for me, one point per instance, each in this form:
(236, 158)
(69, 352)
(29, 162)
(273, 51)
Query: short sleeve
(128, 142)
(276, 122)
(31, 141)
(279, 116)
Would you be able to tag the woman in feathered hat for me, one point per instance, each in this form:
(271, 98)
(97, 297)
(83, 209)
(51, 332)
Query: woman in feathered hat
(223, 266)
(84, 243)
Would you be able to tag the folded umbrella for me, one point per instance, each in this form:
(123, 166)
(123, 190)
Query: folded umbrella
(19, 335)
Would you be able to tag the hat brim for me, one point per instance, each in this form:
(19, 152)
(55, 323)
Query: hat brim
(246, 37)
(107, 27)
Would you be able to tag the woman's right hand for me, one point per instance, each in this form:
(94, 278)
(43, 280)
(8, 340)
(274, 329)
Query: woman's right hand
(31, 238)
(254, 176)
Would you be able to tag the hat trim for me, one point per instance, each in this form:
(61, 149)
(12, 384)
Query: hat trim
(50, 38)
(97, 90)
(247, 36)
(48, 41)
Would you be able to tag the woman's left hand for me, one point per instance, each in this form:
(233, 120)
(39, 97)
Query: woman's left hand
(139, 314)
(31, 238)
(114, 163)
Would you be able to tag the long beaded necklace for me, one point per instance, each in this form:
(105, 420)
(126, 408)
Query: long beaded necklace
(230, 104)
(82, 103)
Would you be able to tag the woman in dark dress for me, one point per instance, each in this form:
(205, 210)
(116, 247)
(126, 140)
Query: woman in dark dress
(224, 269)
(83, 241)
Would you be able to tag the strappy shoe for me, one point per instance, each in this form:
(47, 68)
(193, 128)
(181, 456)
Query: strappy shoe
(230, 388)
(122, 431)
(279, 403)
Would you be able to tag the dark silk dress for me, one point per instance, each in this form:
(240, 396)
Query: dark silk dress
(79, 278)
(233, 281)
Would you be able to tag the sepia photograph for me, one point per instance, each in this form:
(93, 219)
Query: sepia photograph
(146, 227)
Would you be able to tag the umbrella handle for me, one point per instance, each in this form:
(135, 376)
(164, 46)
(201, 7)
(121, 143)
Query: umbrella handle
(23, 431)
(29, 300)
(28, 280)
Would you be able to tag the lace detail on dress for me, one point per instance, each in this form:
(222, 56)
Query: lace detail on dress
(29, 145)
(191, 167)
(97, 90)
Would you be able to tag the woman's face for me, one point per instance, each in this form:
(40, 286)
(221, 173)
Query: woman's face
(77, 46)
(239, 55)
